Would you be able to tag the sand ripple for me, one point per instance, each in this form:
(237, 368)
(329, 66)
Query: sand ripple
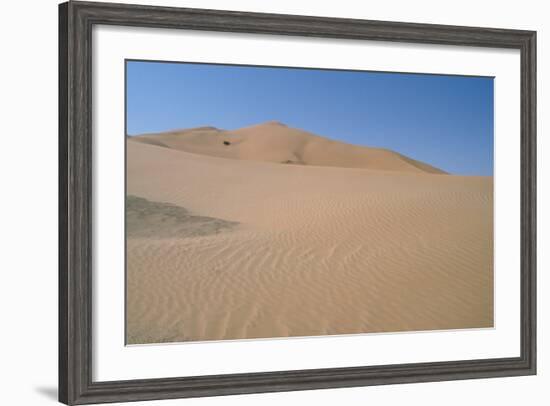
(317, 251)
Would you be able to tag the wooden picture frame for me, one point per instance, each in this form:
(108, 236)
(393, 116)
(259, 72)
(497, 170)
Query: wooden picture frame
(76, 20)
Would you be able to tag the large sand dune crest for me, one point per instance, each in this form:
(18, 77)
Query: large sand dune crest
(317, 249)
(278, 143)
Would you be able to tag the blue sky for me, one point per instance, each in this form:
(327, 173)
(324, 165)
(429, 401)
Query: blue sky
(445, 121)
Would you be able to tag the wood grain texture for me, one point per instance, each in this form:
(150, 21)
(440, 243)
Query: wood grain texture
(63, 365)
(76, 20)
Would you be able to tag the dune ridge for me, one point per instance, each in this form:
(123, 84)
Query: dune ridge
(309, 250)
(276, 142)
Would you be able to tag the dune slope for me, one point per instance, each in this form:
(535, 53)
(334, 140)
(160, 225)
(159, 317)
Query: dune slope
(301, 250)
(278, 143)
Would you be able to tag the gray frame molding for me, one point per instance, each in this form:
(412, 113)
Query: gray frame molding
(76, 20)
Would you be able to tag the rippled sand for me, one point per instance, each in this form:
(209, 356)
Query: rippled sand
(225, 248)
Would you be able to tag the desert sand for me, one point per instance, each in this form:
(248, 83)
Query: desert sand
(271, 231)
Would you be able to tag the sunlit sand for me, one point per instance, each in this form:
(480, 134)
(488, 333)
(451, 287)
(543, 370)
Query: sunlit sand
(270, 231)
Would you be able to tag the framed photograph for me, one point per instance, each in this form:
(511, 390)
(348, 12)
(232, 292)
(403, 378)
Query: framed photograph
(257, 202)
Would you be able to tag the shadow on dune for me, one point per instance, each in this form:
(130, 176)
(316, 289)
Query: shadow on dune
(148, 219)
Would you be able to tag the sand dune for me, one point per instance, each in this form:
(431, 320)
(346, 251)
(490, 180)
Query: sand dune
(278, 143)
(300, 250)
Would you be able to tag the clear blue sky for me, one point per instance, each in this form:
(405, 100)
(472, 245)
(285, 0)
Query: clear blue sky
(446, 121)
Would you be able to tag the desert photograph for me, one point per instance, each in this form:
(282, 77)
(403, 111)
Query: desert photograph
(271, 202)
